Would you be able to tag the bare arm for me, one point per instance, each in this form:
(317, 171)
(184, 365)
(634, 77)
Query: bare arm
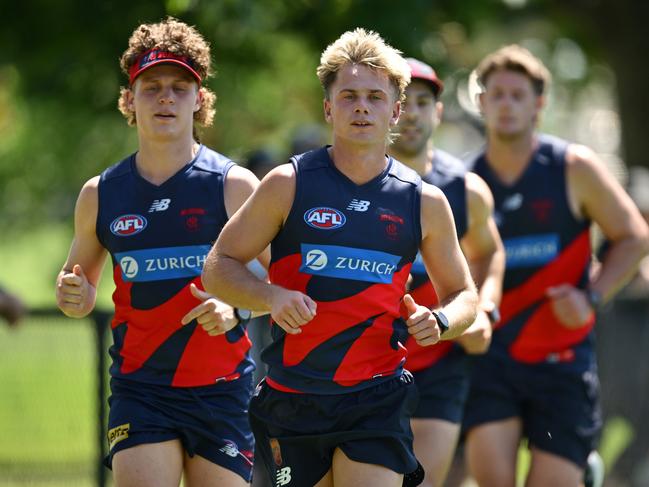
(246, 235)
(594, 193)
(485, 254)
(76, 284)
(446, 266)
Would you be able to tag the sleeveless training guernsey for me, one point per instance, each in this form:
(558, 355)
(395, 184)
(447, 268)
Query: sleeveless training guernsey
(350, 248)
(158, 238)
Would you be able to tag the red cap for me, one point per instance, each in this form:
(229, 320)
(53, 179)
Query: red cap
(154, 56)
(423, 71)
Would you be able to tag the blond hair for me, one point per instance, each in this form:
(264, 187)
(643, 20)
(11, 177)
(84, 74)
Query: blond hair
(364, 48)
(518, 59)
(173, 36)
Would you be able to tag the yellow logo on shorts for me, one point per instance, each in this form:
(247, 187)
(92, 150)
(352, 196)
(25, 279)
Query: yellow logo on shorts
(117, 434)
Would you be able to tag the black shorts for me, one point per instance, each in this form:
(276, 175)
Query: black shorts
(297, 434)
(443, 389)
(210, 421)
(559, 409)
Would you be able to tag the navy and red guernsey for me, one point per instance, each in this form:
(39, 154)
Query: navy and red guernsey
(448, 174)
(350, 248)
(158, 238)
(546, 245)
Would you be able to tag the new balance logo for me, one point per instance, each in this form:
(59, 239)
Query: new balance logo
(358, 205)
(230, 449)
(513, 202)
(283, 476)
(159, 205)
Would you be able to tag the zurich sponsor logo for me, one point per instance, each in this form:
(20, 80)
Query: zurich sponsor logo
(162, 263)
(348, 263)
(127, 225)
(324, 218)
(531, 250)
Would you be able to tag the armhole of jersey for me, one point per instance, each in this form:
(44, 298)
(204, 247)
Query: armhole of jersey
(560, 153)
(297, 193)
(417, 213)
(224, 177)
(99, 207)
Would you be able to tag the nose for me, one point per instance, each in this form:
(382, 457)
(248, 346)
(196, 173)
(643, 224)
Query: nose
(166, 97)
(361, 107)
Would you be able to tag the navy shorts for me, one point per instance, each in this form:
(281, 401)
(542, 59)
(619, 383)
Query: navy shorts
(559, 409)
(297, 434)
(443, 389)
(210, 421)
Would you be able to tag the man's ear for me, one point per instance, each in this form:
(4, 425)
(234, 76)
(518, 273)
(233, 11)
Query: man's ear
(327, 110)
(396, 113)
(199, 100)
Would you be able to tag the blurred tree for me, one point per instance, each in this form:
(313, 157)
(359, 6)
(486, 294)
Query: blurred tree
(59, 73)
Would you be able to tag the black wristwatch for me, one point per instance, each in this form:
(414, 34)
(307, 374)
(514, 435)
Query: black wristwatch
(492, 312)
(594, 299)
(243, 315)
(442, 321)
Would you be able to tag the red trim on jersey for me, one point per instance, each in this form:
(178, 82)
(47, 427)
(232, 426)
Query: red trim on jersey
(543, 334)
(280, 387)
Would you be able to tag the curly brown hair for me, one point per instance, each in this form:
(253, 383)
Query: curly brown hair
(518, 59)
(178, 38)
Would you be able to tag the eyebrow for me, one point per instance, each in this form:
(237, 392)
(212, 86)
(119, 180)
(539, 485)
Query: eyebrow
(351, 90)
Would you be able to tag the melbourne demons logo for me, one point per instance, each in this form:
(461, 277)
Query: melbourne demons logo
(127, 225)
(324, 218)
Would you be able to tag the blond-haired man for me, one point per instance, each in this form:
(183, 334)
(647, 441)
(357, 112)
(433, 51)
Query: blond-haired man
(345, 223)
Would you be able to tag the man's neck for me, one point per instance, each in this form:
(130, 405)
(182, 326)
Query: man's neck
(359, 163)
(158, 161)
(509, 157)
(422, 162)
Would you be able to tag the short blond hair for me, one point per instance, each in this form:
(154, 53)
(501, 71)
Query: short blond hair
(364, 48)
(173, 36)
(518, 59)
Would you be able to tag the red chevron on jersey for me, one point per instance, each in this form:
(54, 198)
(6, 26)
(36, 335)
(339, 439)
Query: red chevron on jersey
(361, 361)
(568, 267)
(543, 334)
(199, 364)
(334, 317)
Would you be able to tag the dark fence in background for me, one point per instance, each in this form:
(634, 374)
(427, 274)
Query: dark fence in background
(52, 427)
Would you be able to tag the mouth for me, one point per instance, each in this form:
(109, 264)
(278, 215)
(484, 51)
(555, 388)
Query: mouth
(361, 123)
(165, 116)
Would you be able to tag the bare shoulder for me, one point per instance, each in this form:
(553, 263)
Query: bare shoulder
(582, 159)
(432, 197)
(89, 195)
(435, 208)
(85, 213)
(276, 191)
(241, 178)
(478, 193)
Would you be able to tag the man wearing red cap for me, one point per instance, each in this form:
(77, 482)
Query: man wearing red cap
(441, 373)
(181, 373)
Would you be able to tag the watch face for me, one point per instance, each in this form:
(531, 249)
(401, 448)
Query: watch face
(442, 321)
(243, 314)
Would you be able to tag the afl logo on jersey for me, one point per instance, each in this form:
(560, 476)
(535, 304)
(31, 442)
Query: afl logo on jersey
(127, 225)
(324, 218)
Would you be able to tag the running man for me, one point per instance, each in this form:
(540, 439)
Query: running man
(442, 372)
(181, 374)
(345, 223)
(539, 378)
